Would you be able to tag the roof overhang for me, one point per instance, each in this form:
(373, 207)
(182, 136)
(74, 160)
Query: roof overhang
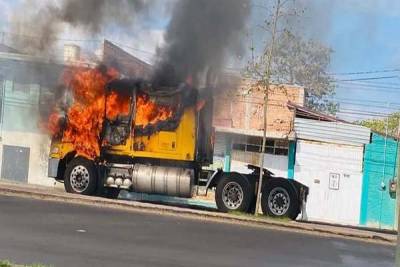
(258, 133)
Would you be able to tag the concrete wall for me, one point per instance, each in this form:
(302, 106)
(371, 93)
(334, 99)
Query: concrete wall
(20, 124)
(275, 163)
(38, 145)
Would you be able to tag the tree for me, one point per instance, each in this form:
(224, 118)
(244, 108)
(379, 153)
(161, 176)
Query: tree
(299, 61)
(305, 62)
(284, 59)
(379, 125)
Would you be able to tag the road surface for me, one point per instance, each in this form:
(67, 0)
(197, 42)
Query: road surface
(58, 234)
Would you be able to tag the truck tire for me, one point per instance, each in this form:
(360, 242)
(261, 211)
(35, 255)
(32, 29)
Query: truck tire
(80, 177)
(233, 193)
(279, 199)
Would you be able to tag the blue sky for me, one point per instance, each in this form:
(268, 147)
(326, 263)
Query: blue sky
(364, 34)
(366, 37)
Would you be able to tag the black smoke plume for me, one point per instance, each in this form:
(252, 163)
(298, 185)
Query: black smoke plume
(199, 37)
(46, 22)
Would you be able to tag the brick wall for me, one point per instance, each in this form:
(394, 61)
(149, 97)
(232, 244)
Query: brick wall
(240, 106)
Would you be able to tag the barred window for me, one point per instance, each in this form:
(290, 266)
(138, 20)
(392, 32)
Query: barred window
(253, 144)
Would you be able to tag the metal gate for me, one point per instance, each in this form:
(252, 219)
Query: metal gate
(15, 163)
(333, 174)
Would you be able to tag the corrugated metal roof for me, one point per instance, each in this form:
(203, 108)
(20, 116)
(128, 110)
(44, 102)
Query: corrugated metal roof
(250, 132)
(219, 144)
(307, 113)
(331, 132)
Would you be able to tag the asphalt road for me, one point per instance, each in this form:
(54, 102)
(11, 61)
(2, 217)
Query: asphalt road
(72, 235)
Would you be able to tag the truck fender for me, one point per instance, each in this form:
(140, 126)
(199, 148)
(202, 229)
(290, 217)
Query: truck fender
(213, 180)
(62, 165)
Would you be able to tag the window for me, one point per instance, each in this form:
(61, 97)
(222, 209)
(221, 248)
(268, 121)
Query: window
(253, 148)
(239, 147)
(21, 88)
(253, 144)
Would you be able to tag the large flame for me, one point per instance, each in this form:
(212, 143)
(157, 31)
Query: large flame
(86, 115)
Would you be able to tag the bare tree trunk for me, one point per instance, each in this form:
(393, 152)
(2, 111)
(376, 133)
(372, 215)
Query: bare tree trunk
(266, 83)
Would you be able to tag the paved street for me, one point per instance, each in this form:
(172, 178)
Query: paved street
(71, 235)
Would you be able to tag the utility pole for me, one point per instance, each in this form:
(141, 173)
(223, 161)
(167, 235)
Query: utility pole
(398, 197)
(266, 84)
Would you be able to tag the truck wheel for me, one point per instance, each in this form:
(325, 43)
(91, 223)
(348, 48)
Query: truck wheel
(233, 193)
(80, 177)
(279, 199)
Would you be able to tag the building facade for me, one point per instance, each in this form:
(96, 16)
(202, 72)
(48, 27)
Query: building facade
(349, 170)
(329, 160)
(28, 85)
(238, 122)
(25, 82)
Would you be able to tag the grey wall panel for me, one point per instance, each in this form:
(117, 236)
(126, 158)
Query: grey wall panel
(332, 132)
(15, 163)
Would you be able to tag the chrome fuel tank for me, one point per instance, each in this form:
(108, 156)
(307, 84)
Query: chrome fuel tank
(169, 181)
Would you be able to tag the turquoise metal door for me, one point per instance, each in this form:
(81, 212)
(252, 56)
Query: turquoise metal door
(378, 208)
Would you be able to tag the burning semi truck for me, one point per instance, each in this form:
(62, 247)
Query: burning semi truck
(123, 134)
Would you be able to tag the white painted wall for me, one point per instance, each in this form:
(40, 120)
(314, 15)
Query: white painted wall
(275, 163)
(39, 145)
(314, 163)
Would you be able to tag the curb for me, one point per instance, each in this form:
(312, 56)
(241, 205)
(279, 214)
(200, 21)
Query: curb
(292, 226)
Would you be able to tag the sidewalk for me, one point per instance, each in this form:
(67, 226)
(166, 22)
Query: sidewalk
(200, 209)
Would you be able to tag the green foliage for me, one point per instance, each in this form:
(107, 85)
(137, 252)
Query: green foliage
(5, 264)
(379, 125)
(301, 62)
(305, 62)
(9, 264)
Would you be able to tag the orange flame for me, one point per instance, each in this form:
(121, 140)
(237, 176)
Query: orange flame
(53, 124)
(117, 105)
(86, 116)
(148, 112)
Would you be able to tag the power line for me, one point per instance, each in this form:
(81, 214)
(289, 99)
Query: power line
(364, 72)
(367, 78)
(356, 111)
(376, 83)
(369, 106)
(360, 84)
(133, 48)
(366, 115)
(55, 38)
(367, 101)
(376, 89)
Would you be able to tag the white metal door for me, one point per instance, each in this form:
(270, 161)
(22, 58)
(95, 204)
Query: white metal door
(333, 174)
